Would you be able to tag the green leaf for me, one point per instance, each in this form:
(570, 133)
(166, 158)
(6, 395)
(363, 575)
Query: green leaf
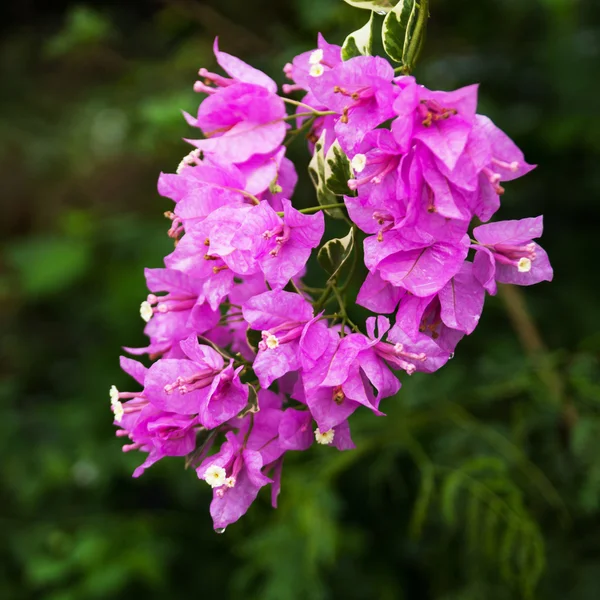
(398, 29)
(252, 398)
(450, 491)
(423, 501)
(501, 524)
(337, 170)
(253, 338)
(380, 6)
(360, 42)
(335, 253)
(316, 170)
(47, 265)
(84, 26)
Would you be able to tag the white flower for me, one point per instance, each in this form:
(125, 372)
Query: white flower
(215, 476)
(146, 311)
(316, 70)
(114, 394)
(271, 341)
(524, 265)
(324, 438)
(115, 403)
(316, 57)
(359, 162)
(118, 410)
(189, 160)
(230, 482)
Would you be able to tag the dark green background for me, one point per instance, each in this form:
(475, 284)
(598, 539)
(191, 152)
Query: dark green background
(480, 473)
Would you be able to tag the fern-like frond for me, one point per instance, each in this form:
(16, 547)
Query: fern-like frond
(481, 494)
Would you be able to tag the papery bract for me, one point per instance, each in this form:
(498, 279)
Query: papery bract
(361, 91)
(507, 253)
(311, 64)
(231, 315)
(280, 245)
(203, 385)
(282, 318)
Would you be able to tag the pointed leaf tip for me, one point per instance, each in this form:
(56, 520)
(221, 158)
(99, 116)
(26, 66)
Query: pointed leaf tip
(379, 6)
(337, 170)
(360, 42)
(399, 28)
(333, 255)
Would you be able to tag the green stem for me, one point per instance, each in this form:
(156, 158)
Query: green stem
(228, 321)
(238, 359)
(532, 343)
(324, 296)
(296, 132)
(342, 305)
(314, 113)
(312, 290)
(294, 287)
(296, 103)
(229, 304)
(216, 348)
(306, 125)
(314, 209)
(249, 430)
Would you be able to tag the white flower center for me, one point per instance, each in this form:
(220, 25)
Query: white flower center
(324, 438)
(316, 57)
(316, 70)
(524, 265)
(272, 341)
(215, 476)
(359, 162)
(146, 311)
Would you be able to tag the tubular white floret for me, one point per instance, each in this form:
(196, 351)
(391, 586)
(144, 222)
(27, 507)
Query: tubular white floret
(358, 163)
(118, 410)
(271, 341)
(146, 311)
(215, 476)
(524, 265)
(324, 438)
(115, 404)
(316, 70)
(114, 394)
(316, 57)
(189, 160)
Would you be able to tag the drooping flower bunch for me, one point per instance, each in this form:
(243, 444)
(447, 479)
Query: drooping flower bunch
(242, 352)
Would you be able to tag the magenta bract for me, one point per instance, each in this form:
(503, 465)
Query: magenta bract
(248, 361)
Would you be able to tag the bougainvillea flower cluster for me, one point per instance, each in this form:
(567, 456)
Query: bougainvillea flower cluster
(246, 362)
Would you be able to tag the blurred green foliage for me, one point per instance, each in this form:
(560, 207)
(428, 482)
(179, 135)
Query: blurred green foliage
(483, 482)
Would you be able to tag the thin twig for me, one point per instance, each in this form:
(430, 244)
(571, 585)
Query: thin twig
(535, 348)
